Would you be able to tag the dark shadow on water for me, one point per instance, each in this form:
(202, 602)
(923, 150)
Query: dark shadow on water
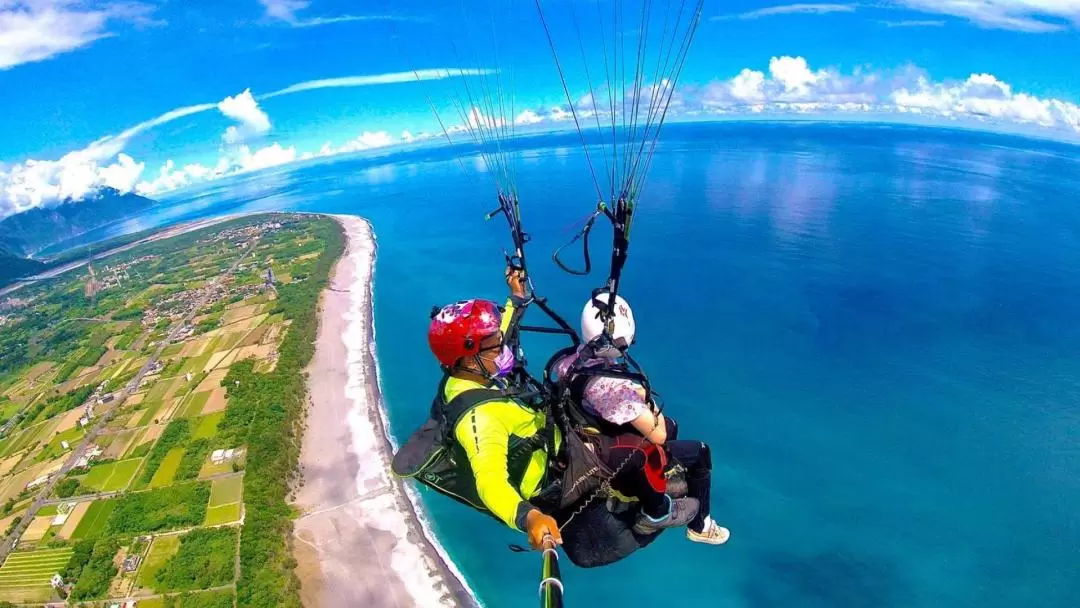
(837, 579)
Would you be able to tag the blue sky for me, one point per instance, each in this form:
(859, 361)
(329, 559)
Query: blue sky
(157, 94)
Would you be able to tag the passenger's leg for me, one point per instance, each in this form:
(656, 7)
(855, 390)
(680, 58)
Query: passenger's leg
(658, 510)
(697, 459)
(631, 480)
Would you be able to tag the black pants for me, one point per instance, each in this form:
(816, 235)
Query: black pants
(694, 456)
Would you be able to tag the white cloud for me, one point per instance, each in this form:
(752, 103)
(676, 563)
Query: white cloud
(285, 10)
(244, 109)
(111, 145)
(477, 119)
(789, 9)
(171, 178)
(270, 156)
(237, 159)
(76, 174)
(368, 140)
(317, 21)
(1020, 15)
(122, 174)
(981, 95)
(748, 86)
(35, 30)
(914, 23)
(794, 75)
(376, 79)
(528, 117)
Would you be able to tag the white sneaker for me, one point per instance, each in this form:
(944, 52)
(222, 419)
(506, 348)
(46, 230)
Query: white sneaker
(712, 533)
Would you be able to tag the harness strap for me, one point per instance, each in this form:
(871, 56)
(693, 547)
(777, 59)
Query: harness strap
(449, 413)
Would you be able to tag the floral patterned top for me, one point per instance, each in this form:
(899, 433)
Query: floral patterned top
(616, 400)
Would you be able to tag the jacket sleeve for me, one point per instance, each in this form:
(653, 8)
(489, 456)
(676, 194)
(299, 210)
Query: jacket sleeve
(485, 440)
(508, 314)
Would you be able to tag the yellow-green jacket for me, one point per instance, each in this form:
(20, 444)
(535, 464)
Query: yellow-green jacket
(486, 434)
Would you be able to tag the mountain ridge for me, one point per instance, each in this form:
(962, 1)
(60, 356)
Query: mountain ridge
(27, 233)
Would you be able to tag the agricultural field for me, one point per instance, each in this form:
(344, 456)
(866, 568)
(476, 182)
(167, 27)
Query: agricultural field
(207, 425)
(161, 551)
(117, 408)
(167, 470)
(112, 476)
(26, 575)
(225, 500)
(92, 523)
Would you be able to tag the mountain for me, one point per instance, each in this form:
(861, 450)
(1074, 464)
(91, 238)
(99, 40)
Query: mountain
(31, 231)
(13, 266)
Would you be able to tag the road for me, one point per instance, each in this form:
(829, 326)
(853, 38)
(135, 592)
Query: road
(132, 386)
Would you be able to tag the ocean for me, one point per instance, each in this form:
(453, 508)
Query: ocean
(873, 327)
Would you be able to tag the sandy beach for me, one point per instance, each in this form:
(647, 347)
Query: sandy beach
(360, 541)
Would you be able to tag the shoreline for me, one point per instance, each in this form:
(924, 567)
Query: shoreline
(362, 538)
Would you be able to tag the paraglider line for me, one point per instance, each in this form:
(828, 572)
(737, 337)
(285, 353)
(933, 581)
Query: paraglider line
(573, 112)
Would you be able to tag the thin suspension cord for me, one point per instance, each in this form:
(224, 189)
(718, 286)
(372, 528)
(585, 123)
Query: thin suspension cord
(566, 90)
(431, 104)
(609, 85)
(639, 73)
(608, 167)
(661, 60)
(681, 63)
(666, 87)
(657, 94)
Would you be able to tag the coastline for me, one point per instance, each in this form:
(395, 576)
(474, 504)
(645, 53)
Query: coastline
(361, 538)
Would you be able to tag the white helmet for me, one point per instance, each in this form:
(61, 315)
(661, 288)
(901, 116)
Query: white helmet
(622, 323)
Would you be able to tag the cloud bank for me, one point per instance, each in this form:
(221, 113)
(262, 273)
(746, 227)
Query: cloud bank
(34, 183)
(789, 86)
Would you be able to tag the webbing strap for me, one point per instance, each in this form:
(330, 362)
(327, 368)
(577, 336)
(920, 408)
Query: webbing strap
(448, 413)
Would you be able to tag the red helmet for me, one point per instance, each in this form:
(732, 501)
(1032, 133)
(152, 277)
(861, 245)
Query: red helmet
(457, 329)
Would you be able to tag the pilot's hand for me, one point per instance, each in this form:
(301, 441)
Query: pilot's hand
(516, 280)
(540, 526)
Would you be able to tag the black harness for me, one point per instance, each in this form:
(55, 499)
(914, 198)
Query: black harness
(433, 456)
(571, 386)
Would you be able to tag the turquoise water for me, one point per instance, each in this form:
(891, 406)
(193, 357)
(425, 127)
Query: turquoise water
(875, 329)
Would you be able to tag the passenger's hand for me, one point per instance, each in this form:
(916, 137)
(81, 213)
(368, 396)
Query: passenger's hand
(540, 526)
(516, 280)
